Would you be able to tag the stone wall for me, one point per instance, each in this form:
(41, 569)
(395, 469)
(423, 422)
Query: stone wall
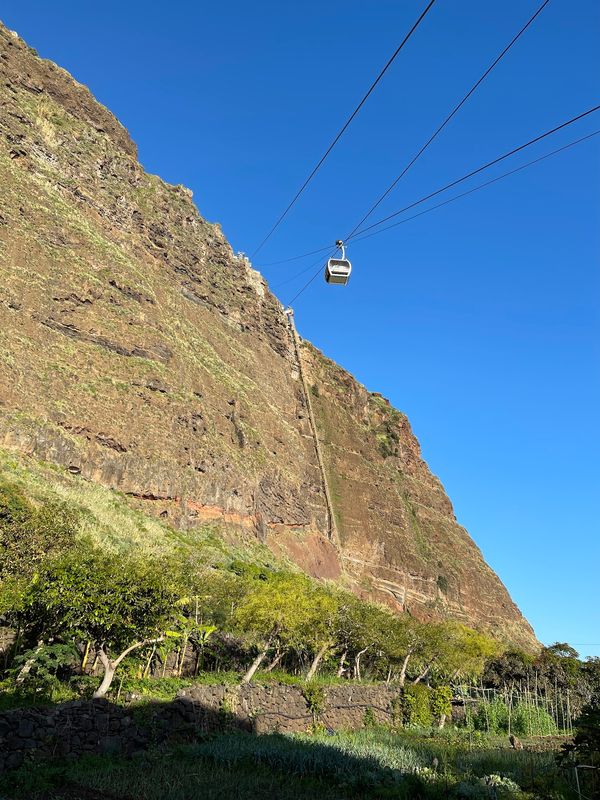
(268, 709)
(68, 730)
(74, 729)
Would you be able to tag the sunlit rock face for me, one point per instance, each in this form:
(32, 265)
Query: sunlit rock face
(140, 352)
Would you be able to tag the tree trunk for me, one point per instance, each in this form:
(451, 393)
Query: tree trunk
(109, 674)
(402, 677)
(254, 666)
(389, 677)
(27, 666)
(357, 663)
(278, 656)
(423, 674)
(149, 662)
(110, 666)
(316, 661)
(184, 645)
(86, 654)
(441, 722)
(341, 668)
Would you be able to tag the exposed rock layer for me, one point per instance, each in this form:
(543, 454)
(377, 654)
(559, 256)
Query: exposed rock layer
(139, 351)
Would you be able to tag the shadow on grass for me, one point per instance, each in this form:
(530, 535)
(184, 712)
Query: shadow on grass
(185, 751)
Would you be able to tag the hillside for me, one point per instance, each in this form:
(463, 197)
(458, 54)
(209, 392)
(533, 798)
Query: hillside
(141, 354)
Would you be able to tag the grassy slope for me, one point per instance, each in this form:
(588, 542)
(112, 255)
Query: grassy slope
(112, 520)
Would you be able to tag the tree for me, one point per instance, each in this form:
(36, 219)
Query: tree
(275, 610)
(210, 599)
(320, 633)
(362, 627)
(119, 603)
(508, 667)
(404, 641)
(30, 534)
(464, 651)
(452, 649)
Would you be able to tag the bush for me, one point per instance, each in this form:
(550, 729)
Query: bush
(585, 746)
(414, 706)
(441, 702)
(315, 699)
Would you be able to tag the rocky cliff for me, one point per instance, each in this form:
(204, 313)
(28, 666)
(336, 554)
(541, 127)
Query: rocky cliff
(140, 352)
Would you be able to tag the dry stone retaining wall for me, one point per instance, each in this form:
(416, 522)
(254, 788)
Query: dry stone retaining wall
(74, 729)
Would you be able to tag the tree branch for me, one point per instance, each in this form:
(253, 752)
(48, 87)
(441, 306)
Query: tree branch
(133, 647)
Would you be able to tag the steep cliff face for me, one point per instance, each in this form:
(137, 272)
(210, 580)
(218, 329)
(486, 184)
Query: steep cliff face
(139, 351)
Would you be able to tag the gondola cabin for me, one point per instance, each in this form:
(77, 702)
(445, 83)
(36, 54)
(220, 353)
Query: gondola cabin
(338, 270)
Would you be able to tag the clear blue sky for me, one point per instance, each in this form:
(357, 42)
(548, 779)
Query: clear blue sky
(479, 320)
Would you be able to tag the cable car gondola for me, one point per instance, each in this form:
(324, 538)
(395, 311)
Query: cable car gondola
(338, 269)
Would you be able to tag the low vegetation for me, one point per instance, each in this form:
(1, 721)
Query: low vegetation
(93, 620)
(373, 763)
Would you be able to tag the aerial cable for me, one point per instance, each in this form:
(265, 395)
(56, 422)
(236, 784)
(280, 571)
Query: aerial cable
(298, 274)
(460, 180)
(344, 127)
(360, 238)
(471, 174)
(430, 140)
(306, 285)
(294, 258)
(448, 118)
(480, 169)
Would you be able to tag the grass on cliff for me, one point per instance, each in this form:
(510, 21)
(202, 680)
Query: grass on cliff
(110, 518)
(373, 763)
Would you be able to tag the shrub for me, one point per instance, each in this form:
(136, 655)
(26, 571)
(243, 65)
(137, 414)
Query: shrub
(585, 746)
(441, 702)
(29, 534)
(415, 707)
(315, 699)
(369, 719)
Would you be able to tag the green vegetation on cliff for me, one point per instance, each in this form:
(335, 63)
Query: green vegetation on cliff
(93, 588)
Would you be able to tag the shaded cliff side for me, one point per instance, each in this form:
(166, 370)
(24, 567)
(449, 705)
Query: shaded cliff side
(141, 353)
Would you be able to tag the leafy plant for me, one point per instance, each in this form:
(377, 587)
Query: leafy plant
(369, 719)
(315, 699)
(39, 667)
(29, 533)
(414, 706)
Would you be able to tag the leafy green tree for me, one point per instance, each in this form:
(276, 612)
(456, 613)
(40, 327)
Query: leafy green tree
(274, 611)
(404, 641)
(211, 596)
(591, 674)
(362, 628)
(511, 666)
(453, 649)
(30, 534)
(119, 603)
(321, 631)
